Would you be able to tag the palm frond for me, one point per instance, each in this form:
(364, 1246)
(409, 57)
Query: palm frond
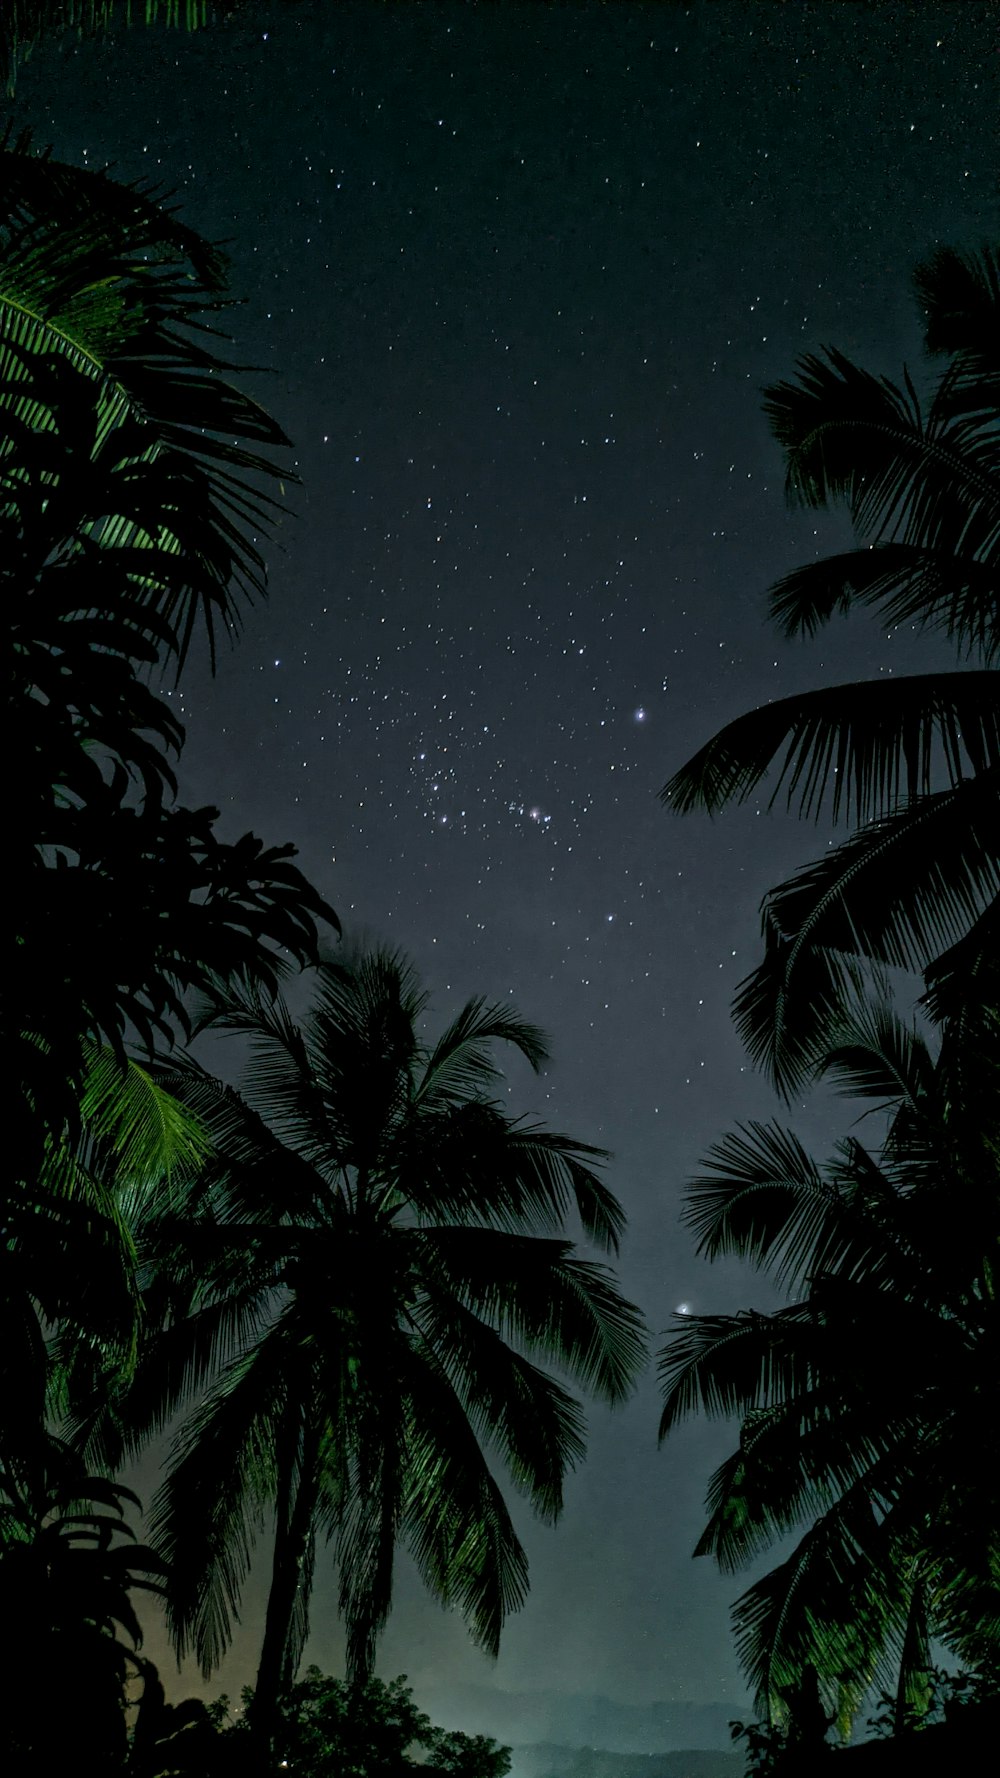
(129, 1114)
(875, 1054)
(944, 587)
(531, 1420)
(206, 1516)
(765, 1199)
(852, 437)
(959, 294)
(455, 1520)
(102, 276)
(25, 23)
(371, 1516)
(862, 749)
(471, 1162)
(729, 1365)
(901, 891)
(536, 1291)
(461, 1063)
(832, 1605)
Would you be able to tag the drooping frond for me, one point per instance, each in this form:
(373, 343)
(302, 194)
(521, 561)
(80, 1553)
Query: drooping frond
(143, 1128)
(210, 1510)
(902, 891)
(727, 1365)
(859, 750)
(24, 23)
(462, 1063)
(764, 1198)
(872, 1052)
(531, 1420)
(939, 587)
(565, 1309)
(832, 1605)
(455, 1520)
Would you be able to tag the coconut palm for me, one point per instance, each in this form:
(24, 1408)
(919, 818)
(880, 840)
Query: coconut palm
(914, 761)
(363, 1293)
(869, 1405)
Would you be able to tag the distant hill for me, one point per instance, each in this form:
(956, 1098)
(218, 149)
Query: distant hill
(574, 1722)
(549, 1760)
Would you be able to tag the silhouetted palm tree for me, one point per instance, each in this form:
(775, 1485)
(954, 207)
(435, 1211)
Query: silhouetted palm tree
(915, 761)
(364, 1292)
(870, 1406)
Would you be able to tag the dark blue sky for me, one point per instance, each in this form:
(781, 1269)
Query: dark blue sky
(519, 273)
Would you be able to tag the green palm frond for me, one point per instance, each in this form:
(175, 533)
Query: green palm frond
(862, 749)
(128, 1114)
(514, 1406)
(101, 279)
(25, 23)
(455, 1520)
(371, 1516)
(833, 1605)
(207, 1515)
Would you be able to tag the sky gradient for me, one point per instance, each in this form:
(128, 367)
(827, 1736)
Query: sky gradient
(518, 274)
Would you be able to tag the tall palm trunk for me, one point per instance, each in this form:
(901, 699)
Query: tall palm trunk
(291, 1580)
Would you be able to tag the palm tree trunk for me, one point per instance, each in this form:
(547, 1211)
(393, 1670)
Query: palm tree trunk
(291, 1571)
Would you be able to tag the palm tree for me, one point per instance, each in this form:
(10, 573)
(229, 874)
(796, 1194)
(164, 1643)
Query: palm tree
(363, 1292)
(133, 479)
(915, 761)
(869, 1405)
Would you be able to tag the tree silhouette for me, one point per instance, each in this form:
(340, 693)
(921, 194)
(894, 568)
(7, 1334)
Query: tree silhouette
(915, 761)
(364, 1290)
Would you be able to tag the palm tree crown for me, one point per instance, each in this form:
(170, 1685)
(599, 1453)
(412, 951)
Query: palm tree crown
(915, 761)
(868, 1406)
(366, 1289)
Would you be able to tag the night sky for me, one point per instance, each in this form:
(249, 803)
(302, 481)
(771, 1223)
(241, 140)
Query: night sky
(518, 274)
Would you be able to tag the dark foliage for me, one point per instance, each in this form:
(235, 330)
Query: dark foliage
(914, 763)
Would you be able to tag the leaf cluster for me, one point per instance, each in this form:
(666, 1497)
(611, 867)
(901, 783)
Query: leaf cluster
(365, 1290)
(131, 499)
